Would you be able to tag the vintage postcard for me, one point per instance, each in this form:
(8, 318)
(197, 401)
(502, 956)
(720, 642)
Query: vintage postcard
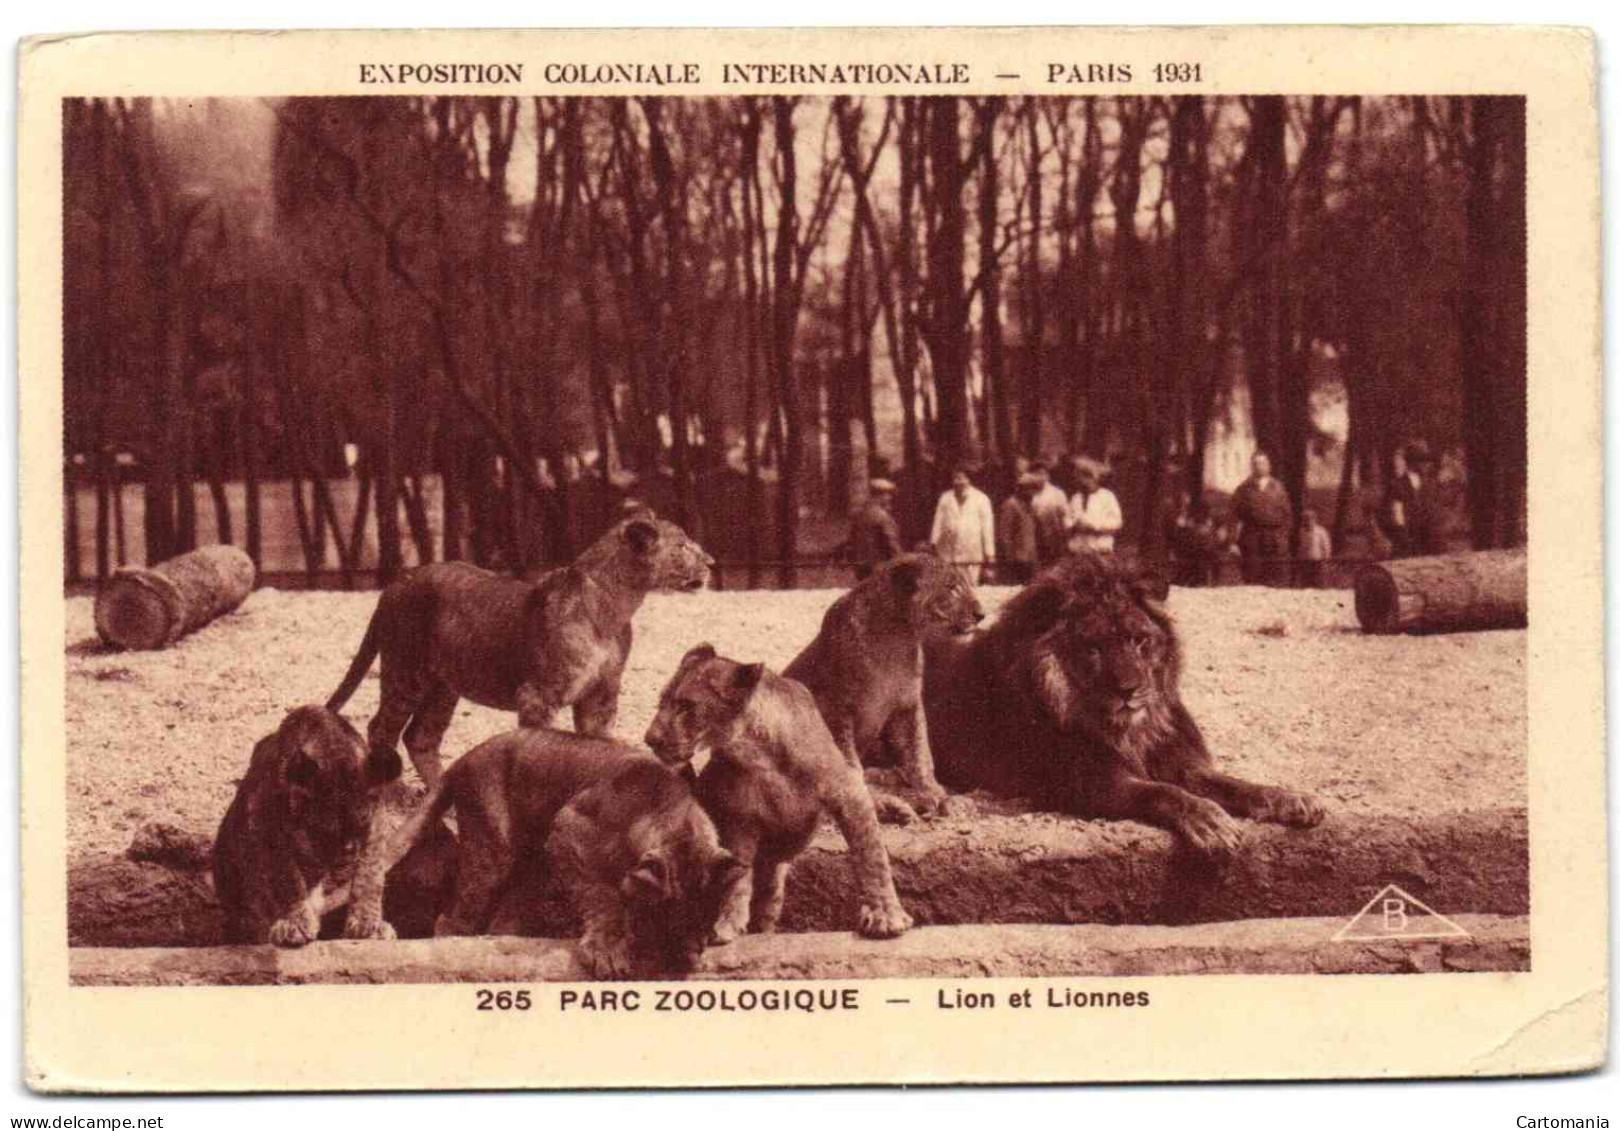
(687, 558)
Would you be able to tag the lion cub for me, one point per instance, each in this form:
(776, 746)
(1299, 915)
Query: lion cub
(865, 668)
(774, 768)
(293, 833)
(635, 851)
(451, 631)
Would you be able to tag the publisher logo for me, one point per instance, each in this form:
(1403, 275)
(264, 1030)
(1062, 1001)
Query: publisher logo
(1395, 914)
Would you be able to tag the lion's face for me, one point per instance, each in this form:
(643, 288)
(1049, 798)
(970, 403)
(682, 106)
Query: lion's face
(677, 888)
(939, 602)
(702, 705)
(322, 770)
(1100, 651)
(651, 553)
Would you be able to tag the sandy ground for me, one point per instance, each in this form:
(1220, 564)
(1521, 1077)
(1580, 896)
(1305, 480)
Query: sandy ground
(1283, 683)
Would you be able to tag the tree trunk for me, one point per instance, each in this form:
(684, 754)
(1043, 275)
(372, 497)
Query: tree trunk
(1033, 328)
(946, 327)
(784, 322)
(152, 608)
(247, 438)
(70, 548)
(1265, 235)
(1086, 327)
(1452, 593)
(992, 360)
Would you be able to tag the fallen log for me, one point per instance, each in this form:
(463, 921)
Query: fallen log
(1009, 870)
(143, 609)
(1452, 593)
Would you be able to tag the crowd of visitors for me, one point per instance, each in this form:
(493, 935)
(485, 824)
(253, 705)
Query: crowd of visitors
(1039, 522)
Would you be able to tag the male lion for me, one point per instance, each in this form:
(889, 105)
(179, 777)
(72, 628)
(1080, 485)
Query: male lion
(1071, 698)
(632, 846)
(451, 631)
(773, 769)
(290, 841)
(865, 669)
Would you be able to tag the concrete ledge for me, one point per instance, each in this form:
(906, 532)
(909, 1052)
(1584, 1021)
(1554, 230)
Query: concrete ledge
(1003, 868)
(1258, 946)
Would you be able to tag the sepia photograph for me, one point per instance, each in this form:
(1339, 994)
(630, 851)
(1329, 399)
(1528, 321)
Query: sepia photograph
(565, 534)
(806, 515)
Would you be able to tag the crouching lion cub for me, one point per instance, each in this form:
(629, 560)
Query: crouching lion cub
(773, 769)
(624, 834)
(289, 844)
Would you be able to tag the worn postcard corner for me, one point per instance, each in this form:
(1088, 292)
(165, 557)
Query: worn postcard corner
(1035, 538)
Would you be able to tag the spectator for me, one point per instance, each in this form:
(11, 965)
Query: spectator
(1410, 517)
(1421, 498)
(1094, 516)
(964, 528)
(1193, 543)
(1315, 548)
(1262, 507)
(1392, 513)
(1017, 532)
(1051, 507)
(875, 536)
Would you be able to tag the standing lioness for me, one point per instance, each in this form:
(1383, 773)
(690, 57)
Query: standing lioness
(452, 631)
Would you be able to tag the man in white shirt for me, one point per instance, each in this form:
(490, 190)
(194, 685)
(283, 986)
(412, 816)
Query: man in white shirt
(1094, 514)
(965, 527)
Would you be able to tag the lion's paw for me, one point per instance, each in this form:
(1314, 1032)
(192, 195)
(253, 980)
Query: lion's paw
(892, 810)
(1288, 807)
(884, 921)
(357, 928)
(300, 928)
(1210, 832)
(726, 931)
(950, 805)
(606, 958)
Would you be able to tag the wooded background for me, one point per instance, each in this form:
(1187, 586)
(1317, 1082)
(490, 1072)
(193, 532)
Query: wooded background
(389, 330)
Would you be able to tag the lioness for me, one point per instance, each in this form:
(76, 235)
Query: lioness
(773, 769)
(452, 630)
(625, 834)
(1072, 698)
(865, 670)
(288, 846)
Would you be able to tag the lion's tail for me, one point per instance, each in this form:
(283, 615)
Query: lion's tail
(361, 665)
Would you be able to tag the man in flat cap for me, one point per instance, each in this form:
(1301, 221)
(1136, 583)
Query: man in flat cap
(1051, 507)
(874, 536)
(1017, 532)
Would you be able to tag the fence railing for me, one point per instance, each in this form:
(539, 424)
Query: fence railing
(812, 572)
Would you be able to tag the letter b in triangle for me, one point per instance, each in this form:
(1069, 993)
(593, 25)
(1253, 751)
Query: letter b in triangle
(1394, 914)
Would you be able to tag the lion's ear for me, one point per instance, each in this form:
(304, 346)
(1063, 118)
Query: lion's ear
(648, 881)
(641, 535)
(698, 654)
(903, 576)
(745, 679)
